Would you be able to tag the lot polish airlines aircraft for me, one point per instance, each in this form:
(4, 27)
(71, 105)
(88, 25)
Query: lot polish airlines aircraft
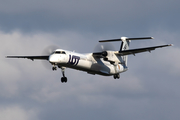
(105, 62)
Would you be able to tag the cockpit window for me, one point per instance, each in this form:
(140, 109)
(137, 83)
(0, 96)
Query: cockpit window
(57, 52)
(60, 52)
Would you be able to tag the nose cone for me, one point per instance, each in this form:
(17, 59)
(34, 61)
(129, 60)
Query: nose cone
(53, 59)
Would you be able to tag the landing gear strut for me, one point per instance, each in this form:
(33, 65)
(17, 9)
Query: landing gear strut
(116, 76)
(63, 79)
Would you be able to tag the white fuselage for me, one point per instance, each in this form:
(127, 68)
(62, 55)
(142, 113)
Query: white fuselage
(85, 62)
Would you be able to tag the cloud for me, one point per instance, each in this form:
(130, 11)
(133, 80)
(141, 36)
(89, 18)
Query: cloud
(148, 90)
(18, 113)
(30, 85)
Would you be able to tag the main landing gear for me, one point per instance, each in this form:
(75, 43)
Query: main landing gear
(116, 76)
(63, 79)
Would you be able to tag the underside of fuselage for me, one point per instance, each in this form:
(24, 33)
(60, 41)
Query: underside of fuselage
(92, 70)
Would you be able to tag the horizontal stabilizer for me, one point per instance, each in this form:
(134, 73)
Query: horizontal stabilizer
(139, 50)
(125, 38)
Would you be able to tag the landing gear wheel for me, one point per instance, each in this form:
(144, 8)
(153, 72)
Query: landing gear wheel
(54, 68)
(114, 76)
(117, 76)
(64, 79)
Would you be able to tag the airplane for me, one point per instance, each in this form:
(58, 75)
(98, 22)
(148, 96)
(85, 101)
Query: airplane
(105, 62)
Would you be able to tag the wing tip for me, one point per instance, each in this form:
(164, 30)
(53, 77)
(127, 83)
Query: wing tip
(8, 56)
(170, 45)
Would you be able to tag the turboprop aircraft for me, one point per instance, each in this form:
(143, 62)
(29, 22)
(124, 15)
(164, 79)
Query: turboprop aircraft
(106, 62)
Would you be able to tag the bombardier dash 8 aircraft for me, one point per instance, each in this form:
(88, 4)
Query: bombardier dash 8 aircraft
(105, 62)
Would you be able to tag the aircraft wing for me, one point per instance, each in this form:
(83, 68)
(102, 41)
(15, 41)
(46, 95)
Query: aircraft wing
(31, 57)
(139, 50)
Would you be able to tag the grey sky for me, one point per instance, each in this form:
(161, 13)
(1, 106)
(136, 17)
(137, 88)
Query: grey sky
(148, 90)
(95, 15)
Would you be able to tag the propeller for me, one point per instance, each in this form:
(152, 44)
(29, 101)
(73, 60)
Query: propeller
(102, 48)
(48, 51)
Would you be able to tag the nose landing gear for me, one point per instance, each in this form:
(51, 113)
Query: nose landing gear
(54, 67)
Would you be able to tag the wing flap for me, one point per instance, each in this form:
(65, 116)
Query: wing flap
(139, 50)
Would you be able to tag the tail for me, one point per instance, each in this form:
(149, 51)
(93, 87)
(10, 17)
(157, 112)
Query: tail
(125, 46)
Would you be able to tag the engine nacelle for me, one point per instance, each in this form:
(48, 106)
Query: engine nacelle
(104, 53)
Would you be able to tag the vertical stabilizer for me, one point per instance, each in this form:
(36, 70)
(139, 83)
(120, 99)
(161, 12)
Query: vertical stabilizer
(125, 46)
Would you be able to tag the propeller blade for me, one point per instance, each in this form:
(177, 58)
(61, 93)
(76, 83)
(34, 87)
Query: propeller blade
(48, 51)
(100, 47)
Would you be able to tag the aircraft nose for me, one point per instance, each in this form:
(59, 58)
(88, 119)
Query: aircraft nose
(52, 59)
